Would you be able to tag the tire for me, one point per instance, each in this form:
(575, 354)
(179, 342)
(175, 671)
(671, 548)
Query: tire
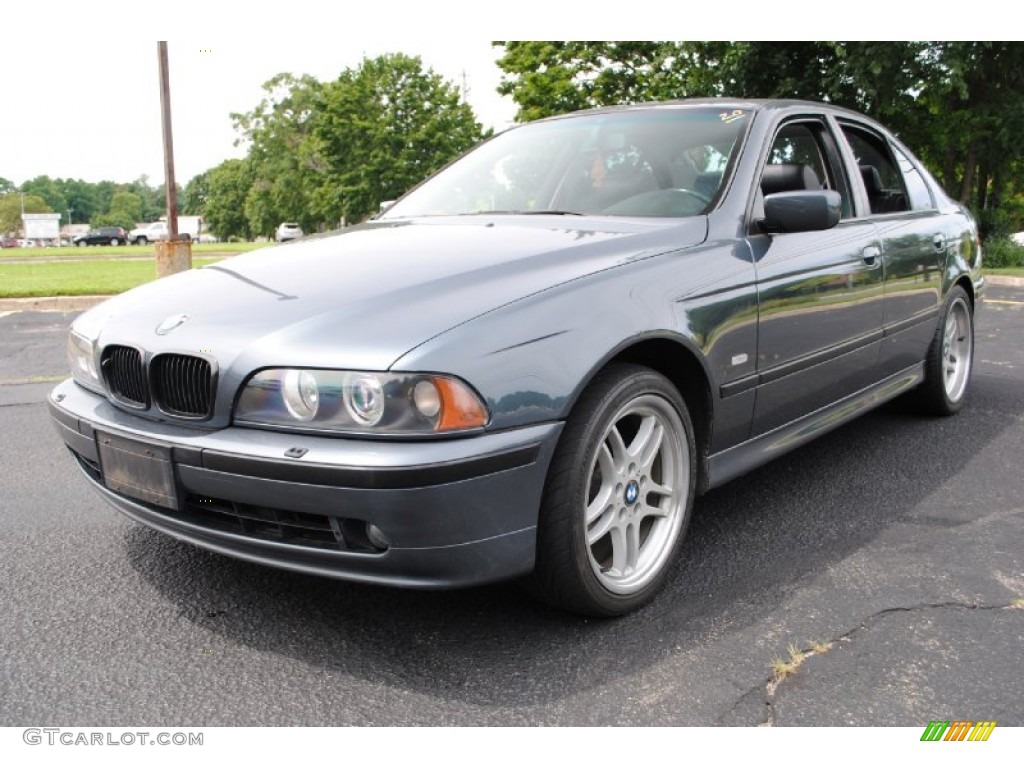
(82, 243)
(141, 241)
(950, 359)
(114, 241)
(618, 495)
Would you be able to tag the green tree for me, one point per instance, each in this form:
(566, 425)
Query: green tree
(10, 210)
(49, 190)
(126, 209)
(104, 193)
(192, 201)
(6, 186)
(380, 129)
(229, 185)
(81, 198)
(281, 157)
(975, 103)
(154, 200)
(551, 77)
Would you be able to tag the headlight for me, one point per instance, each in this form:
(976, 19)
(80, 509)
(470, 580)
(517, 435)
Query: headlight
(364, 399)
(300, 394)
(81, 353)
(358, 402)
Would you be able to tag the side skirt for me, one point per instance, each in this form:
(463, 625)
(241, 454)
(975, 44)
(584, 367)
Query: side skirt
(740, 459)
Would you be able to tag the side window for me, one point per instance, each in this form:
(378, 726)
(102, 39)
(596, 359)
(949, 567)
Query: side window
(800, 158)
(883, 180)
(917, 190)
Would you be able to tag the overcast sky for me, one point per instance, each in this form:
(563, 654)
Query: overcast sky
(80, 99)
(96, 114)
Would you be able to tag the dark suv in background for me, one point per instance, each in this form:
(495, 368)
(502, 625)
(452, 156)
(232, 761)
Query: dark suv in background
(103, 236)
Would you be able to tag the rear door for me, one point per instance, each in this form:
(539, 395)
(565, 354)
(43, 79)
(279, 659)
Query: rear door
(819, 293)
(912, 236)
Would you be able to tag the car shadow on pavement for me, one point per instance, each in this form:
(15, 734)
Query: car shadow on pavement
(748, 544)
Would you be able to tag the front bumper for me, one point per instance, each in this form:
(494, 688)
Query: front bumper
(455, 512)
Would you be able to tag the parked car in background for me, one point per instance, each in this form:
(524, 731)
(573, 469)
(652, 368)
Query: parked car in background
(1018, 238)
(532, 363)
(189, 229)
(103, 236)
(148, 233)
(8, 242)
(288, 230)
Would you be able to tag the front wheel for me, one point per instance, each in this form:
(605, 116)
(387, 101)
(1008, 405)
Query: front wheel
(618, 496)
(950, 357)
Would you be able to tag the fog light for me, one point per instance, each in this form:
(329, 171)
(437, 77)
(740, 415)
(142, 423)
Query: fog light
(376, 537)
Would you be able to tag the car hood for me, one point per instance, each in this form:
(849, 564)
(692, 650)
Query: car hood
(362, 298)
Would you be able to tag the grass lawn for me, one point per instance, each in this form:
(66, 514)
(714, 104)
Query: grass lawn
(1011, 271)
(115, 251)
(78, 278)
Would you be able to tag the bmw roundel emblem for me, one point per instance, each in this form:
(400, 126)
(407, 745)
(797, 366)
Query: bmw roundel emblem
(170, 324)
(632, 492)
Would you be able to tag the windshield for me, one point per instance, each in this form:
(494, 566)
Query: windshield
(666, 162)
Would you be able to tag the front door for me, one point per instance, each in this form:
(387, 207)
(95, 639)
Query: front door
(820, 296)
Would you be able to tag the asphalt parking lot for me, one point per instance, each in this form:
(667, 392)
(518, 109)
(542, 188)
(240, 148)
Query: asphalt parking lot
(881, 569)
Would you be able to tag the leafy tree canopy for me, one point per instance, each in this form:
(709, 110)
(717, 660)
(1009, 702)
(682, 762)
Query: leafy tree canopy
(126, 209)
(228, 186)
(322, 153)
(10, 210)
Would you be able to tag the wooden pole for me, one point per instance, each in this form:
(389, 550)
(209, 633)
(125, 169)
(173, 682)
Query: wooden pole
(174, 255)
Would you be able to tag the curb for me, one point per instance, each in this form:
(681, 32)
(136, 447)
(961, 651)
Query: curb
(1015, 282)
(51, 303)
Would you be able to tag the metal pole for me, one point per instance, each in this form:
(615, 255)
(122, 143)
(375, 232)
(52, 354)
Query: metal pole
(165, 109)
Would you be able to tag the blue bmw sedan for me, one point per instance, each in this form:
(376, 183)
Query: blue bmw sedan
(531, 364)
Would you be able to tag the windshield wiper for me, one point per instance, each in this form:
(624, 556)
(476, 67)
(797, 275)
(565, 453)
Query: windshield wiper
(551, 212)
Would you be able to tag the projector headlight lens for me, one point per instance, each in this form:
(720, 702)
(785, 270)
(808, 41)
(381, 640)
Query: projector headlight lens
(301, 394)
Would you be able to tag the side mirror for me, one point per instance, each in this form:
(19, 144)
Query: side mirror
(802, 211)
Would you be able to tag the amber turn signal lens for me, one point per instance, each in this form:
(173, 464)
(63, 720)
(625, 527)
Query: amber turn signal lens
(460, 408)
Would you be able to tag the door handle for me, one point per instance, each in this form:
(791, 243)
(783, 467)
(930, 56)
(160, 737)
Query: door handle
(939, 241)
(870, 255)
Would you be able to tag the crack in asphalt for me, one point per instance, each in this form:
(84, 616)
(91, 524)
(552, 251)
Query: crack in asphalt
(770, 687)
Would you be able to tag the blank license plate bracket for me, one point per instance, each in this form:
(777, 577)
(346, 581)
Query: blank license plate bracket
(138, 469)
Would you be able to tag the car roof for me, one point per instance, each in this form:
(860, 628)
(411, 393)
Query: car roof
(722, 102)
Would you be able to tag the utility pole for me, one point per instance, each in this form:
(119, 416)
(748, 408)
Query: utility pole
(174, 255)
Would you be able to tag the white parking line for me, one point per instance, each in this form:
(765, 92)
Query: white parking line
(987, 301)
(5, 314)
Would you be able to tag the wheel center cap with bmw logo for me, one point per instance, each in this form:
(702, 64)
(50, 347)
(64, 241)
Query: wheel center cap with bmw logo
(632, 492)
(170, 324)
